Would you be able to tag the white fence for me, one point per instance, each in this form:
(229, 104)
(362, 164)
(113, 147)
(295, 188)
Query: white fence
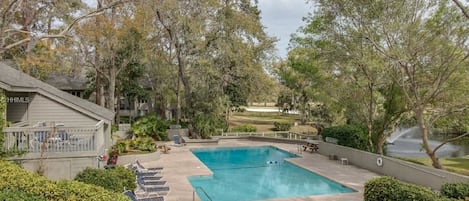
(51, 137)
(279, 134)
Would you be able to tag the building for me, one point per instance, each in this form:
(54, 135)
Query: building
(76, 85)
(60, 133)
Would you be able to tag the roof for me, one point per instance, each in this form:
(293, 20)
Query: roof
(16, 81)
(66, 82)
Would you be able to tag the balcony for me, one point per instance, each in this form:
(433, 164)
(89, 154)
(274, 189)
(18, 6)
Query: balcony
(55, 139)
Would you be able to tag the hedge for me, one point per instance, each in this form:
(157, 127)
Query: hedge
(455, 190)
(389, 189)
(347, 135)
(16, 181)
(115, 179)
(14, 194)
(282, 126)
(244, 128)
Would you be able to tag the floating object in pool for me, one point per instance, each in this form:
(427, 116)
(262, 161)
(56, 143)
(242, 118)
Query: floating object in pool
(272, 162)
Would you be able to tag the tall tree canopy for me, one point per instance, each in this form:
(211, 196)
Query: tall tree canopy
(384, 66)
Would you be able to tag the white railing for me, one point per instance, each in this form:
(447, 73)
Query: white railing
(278, 134)
(53, 138)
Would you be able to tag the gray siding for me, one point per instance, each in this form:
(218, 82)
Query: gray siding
(44, 109)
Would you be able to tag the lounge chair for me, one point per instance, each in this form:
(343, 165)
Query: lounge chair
(133, 197)
(142, 167)
(150, 178)
(143, 172)
(154, 189)
(141, 180)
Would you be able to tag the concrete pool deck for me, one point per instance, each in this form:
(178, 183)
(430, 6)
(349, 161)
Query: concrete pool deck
(180, 163)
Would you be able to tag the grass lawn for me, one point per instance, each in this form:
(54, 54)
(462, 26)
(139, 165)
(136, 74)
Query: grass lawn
(457, 165)
(264, 121)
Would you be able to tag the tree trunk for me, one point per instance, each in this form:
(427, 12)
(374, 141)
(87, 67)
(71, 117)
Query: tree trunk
(380, 144)
(424, 131)
(118, 107)
(178, 106)
(187, 91)
(112, 89)
(97, 63)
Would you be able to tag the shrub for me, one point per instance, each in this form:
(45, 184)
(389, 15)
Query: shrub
(122, 146)
(150, 126)
(389, 189)
(207, 125)
(455, 190)
(281, 126)
(16, 180)
(244, 128)
(347, 135)
(15, 194)
(115, 179)
(143, 144)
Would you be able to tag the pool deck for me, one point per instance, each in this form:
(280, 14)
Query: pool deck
(180, 163)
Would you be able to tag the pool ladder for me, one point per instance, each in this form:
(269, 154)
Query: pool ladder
(203, 191)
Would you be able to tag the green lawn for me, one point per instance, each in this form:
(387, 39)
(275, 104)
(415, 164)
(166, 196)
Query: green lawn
(264, 121)
(457, 165)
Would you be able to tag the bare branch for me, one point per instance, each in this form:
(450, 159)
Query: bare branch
(63, 33)
(450, 140)
(463, 10)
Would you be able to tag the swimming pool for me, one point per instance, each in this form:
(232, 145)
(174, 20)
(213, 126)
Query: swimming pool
(257, 173)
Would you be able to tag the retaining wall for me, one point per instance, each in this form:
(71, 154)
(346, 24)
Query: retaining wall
(402, 170)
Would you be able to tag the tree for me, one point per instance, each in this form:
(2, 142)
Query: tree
(206, 39)
(112, 48)
(354, 75)
(36, 20)
(301, 75)
(424, 47)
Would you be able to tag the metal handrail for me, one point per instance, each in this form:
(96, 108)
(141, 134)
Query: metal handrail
(206, 195)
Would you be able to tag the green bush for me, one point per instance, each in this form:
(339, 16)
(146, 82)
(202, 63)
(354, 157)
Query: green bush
(143, 144)
(244, 128)
(455, 190)
(207, 125)
(14, 178)
(150, 126)
(281, 126)
(389, 189)
(347, 135)
(14, 194)
(122, 146)
(115, 179)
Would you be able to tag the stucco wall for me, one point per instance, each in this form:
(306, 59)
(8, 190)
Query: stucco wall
(402, 170)
(61, 168)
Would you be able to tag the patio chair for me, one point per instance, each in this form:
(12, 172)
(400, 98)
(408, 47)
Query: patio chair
(133, 197)
(143, 172)
(144, 182)
(149, 178)
(154, 189)
(142, 167)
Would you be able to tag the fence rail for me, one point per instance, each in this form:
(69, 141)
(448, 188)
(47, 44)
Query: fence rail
(52, 137)
(279, 134)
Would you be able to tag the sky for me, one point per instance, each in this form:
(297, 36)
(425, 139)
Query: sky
(282, 18)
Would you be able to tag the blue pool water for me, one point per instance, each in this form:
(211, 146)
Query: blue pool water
(257, 173)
